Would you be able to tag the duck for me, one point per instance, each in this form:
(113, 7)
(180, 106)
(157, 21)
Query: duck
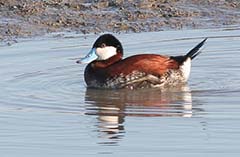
(106, 68)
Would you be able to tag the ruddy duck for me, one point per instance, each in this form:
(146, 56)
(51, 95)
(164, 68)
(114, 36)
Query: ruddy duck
(107, 69)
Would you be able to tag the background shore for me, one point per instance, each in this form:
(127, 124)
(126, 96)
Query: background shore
(27, 18)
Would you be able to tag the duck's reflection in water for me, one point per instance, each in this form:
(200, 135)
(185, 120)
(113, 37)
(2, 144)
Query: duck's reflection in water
(112, 106)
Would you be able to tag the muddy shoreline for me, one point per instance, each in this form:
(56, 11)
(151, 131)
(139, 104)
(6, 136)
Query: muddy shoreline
(28, 18)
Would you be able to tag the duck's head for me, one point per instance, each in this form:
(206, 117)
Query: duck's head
(105, 47)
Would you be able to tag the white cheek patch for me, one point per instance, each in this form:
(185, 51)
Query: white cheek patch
(106, 52)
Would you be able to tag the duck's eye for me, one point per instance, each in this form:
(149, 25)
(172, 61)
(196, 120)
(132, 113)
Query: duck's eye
(103, 45)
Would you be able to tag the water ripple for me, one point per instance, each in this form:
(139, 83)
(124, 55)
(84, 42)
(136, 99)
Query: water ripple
(48, 89)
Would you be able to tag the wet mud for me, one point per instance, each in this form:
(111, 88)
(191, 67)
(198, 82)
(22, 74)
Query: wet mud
(28, 18)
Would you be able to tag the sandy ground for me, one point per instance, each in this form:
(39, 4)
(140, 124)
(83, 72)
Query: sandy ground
(27, 18)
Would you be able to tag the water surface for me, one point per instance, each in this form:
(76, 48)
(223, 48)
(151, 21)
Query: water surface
(46, 109)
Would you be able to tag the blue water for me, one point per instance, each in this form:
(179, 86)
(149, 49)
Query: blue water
(46, 110)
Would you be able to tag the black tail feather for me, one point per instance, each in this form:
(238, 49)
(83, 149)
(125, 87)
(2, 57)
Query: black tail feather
(195, 51)
(191, 54)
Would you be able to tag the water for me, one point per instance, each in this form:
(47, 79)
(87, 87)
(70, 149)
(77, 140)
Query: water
(46, 110)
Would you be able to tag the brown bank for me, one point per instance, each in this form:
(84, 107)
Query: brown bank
(26, 18)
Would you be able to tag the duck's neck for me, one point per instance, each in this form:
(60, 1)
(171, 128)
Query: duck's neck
(108, 62)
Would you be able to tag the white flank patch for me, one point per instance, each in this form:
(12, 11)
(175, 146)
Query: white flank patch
(186, 68)
(105, 52)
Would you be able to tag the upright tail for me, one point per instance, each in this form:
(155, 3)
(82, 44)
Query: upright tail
(191, 54)
(195, 51)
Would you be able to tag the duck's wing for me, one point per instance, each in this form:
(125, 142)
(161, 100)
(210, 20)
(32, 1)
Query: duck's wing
(139, 71)
(146, 63)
